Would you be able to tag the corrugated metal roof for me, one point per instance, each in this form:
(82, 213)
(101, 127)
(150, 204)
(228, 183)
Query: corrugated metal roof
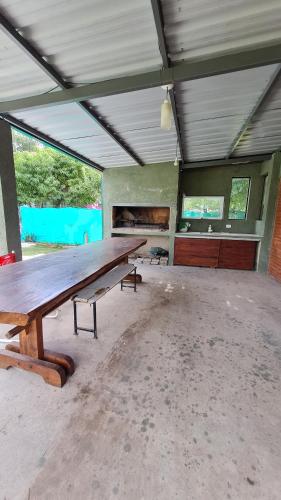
(136, 117)
(200, 28)
(69, 125)
(212, 110)
(19, 76)
(89, 40)
(93, 40)
(264, 134)
(85, 41)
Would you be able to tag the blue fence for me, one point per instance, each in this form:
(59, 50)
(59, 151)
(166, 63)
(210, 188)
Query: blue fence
(66, 226)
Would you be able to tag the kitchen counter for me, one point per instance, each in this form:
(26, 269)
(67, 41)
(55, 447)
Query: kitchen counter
(220, 236)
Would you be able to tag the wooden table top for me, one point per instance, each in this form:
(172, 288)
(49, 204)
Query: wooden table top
(42, 283)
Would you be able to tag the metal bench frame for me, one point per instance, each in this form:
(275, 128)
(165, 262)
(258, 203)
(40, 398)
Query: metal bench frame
(93, 298)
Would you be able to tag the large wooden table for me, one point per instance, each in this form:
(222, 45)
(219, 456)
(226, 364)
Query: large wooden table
(31, 289)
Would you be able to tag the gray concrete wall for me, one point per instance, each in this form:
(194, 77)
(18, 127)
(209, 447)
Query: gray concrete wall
(152, 184)
(216, 181)
(9, 218)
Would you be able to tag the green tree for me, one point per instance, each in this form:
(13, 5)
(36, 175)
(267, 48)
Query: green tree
(23, 142)
(239, 198)
(46, 177)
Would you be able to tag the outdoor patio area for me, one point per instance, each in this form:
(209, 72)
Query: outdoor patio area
(178, 398)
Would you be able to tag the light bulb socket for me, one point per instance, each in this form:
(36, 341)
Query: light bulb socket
(168, 87)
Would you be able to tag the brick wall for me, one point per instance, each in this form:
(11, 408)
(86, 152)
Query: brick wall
(275, 255)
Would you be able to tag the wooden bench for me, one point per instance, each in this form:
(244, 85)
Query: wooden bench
(95, 291)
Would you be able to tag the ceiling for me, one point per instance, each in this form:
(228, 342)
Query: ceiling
(50, 46)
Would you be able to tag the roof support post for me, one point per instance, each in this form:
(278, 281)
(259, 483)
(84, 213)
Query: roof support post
(9, 218)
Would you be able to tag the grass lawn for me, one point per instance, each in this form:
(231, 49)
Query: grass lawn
(40, 248)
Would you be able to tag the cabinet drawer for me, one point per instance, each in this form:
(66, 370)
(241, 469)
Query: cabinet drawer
(237, 254)
(196, 252)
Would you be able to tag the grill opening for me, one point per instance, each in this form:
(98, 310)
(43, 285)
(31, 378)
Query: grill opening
(153, 218)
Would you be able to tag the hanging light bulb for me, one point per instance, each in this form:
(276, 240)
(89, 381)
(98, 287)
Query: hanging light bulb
(166, 115)
(166, 111)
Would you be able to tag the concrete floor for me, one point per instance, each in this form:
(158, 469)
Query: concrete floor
(178, 399)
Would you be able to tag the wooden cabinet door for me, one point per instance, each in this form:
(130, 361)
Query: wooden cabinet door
(196, 252)
(236, 254)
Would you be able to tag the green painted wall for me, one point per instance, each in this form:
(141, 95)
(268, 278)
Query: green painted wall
(152, 184)
(216, 181)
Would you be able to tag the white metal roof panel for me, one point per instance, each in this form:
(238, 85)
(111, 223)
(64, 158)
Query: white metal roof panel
(264, 134)
(202, 28)
(85, 41)
(19, 76)
(136, 117)
(72, 127)
(89, 40)
(212, 110)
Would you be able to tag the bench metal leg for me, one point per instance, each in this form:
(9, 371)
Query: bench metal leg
(75, 318)
(95, 320)
(77, 327)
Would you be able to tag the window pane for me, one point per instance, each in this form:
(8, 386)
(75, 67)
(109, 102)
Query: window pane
(239, 198)
(202, 207)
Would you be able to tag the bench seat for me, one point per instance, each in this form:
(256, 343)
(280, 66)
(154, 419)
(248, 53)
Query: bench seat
(91, 293)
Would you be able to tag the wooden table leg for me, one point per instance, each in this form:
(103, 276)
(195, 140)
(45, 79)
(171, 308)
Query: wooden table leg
(53, 357)
(51, 373)
(30, 355)
(60, 359)
(31, 339)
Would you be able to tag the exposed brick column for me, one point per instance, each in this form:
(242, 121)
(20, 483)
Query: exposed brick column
(275, 253)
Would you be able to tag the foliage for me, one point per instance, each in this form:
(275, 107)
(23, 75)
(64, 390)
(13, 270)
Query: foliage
(30, 238)
(39, 248)
(239, 198)
(46, 177)
(203, 207)
(23, 142)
